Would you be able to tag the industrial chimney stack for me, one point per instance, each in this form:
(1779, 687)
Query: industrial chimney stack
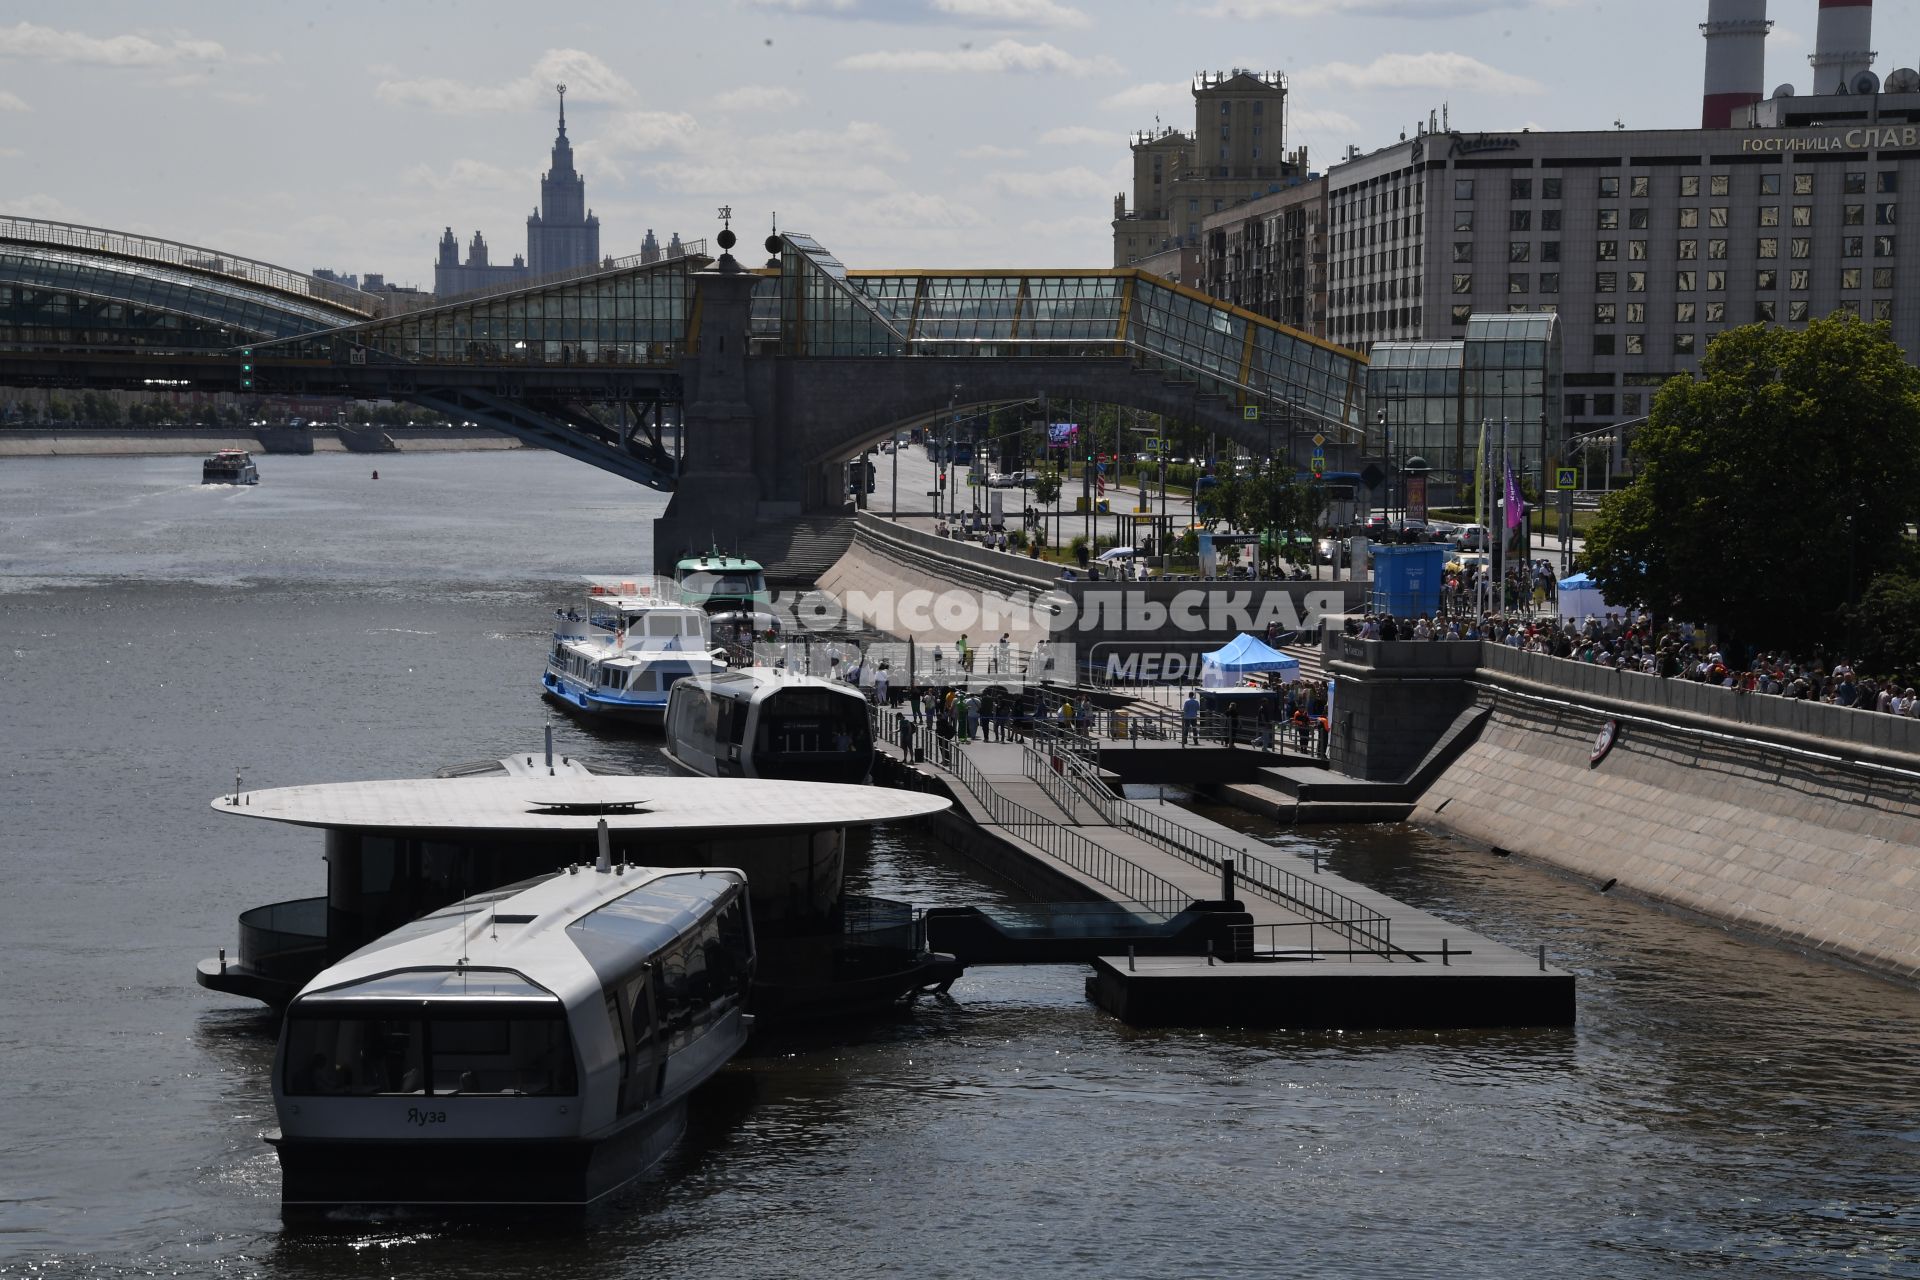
(1736, 32)
(1843, 46)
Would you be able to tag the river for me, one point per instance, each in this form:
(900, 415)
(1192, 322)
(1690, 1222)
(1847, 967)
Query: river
(1721, 1104)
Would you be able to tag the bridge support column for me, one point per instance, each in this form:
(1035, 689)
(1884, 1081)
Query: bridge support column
(717, 497)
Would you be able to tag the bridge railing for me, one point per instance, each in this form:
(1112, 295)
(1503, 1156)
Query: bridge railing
(70, 235)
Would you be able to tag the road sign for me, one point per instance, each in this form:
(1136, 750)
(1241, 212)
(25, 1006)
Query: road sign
(1319, 454)
(1566, 477)
(1318, 440)
(1251, 413)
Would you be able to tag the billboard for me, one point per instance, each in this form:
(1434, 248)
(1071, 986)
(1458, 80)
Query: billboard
(1062, 435)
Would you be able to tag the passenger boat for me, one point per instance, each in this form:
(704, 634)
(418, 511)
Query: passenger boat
(530, 1046)
(229, 466)
(618, 659)
(400, 849)
(731, 591)
(760, 722)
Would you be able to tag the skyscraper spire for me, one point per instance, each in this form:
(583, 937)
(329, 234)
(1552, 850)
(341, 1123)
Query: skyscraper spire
(563, 109)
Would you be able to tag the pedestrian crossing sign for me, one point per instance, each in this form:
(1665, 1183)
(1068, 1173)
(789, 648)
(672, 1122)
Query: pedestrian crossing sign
(1566, 477)
(1250, 412)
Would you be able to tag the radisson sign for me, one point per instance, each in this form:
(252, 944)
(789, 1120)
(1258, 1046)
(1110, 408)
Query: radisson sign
(1865, 138)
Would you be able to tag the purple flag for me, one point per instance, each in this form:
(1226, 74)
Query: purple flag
(1516, 509)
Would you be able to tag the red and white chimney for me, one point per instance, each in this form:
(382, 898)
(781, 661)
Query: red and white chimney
(1843, 47)
(1736, 32)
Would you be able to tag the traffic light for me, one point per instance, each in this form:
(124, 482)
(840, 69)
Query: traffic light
(943, 478)
(246, 368)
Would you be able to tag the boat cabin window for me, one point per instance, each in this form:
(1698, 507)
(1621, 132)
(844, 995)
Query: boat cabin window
(526, 1053)
(663, 625)
(809, 721)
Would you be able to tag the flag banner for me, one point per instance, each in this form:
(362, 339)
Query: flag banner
(1516, 509)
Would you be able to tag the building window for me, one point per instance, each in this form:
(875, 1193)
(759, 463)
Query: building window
(1637, 219)
(1803, 184)
(1636, 282)
(1636, 250)
(1519, 219)
(1609, 188)
(1603, 312)
(1638, 187)
(1855, 184)
(1689, 218)
(1462, 282)
(1683, 312)
(1516, 282)
(1887, 181)
(1520, 189)
(1549, 251)
(1716, 282)
(1576, 406)
(1718, 249)
(1463, 251)
(1549, 219)
(1463, 219)
(1689, 250)
(1769, 247)
(1519, 250)
(1683, 344)
(1716, 313)
(1606, 250)
(1603, 342)
(1798, 309)
(1636, 313)
(1883, 277)
(1549, 188)
(1853, 215)
(1883, 246)
(1763, 310)
(1718, 185)
(1463, 188)
(1226, 132)
(1462, 311)
(1636, 344)
(1257, 107)
(1716, 215)
(1849, 277)
(1884, 215)
(1606, 282)
(1766, 280)
(1851, 247)
(1193, 206)
(1690, 184)
(1683, 281)
(1802, 247)
(1609, 220)
(1769, 184)
(1883, 308)
(1769, 215)
(1549, 282)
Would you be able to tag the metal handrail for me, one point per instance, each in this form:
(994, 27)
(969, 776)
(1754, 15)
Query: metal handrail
(73, 235)
(1104, 865)
(1334, 909)
(1052, 781)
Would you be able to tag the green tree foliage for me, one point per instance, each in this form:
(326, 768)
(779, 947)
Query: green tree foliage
(1771, 487)
(1046, 487)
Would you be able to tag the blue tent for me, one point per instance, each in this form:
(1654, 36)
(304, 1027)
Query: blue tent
(1243, 655)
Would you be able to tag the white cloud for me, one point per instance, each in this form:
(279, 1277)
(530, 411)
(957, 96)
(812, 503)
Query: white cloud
(12, 102)
(1434, 70)
(1422, 9)
(808, 6)
(40, 205)
(1159, 93)
(757, 97)
(11, 153)
(987, 151)
(914, 210)
(45, 44)
(1001, 56)
(848, 159)
(1307, 121)
(1077, 181)
(587, 78)
(1080, 135)
(1011, 13)
(467, 175)
(640, 131)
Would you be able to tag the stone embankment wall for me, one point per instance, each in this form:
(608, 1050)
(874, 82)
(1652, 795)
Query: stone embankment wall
(1813, 844)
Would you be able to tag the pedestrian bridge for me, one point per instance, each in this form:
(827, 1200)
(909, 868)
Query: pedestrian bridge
(747, 385)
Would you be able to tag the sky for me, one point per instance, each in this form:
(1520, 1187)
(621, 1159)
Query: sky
(898, 133)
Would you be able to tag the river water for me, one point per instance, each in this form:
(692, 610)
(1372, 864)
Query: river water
(1721, 1105)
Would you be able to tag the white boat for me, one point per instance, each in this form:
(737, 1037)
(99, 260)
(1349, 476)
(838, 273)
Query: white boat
(760, 722)
(229, 466)
(618, 659)
(530, 1046)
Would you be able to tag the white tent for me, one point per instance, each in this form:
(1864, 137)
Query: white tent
(1580, 597)
(1243, 655)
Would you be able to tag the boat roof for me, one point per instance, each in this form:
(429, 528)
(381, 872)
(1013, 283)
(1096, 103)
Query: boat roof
(629, 803)
(716, 563)
(750, 680)
(527, 941)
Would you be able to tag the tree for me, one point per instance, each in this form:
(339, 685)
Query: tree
(1046, 487)
(1770, 487)
(1887, 622)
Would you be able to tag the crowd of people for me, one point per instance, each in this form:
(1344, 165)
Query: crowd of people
(1680, 651)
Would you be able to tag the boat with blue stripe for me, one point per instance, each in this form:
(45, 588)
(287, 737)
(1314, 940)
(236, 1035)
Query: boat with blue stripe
(617, 659)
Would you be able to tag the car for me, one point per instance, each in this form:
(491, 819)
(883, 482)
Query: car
(1006, 479)
(1377, 526)
(1472, 537)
